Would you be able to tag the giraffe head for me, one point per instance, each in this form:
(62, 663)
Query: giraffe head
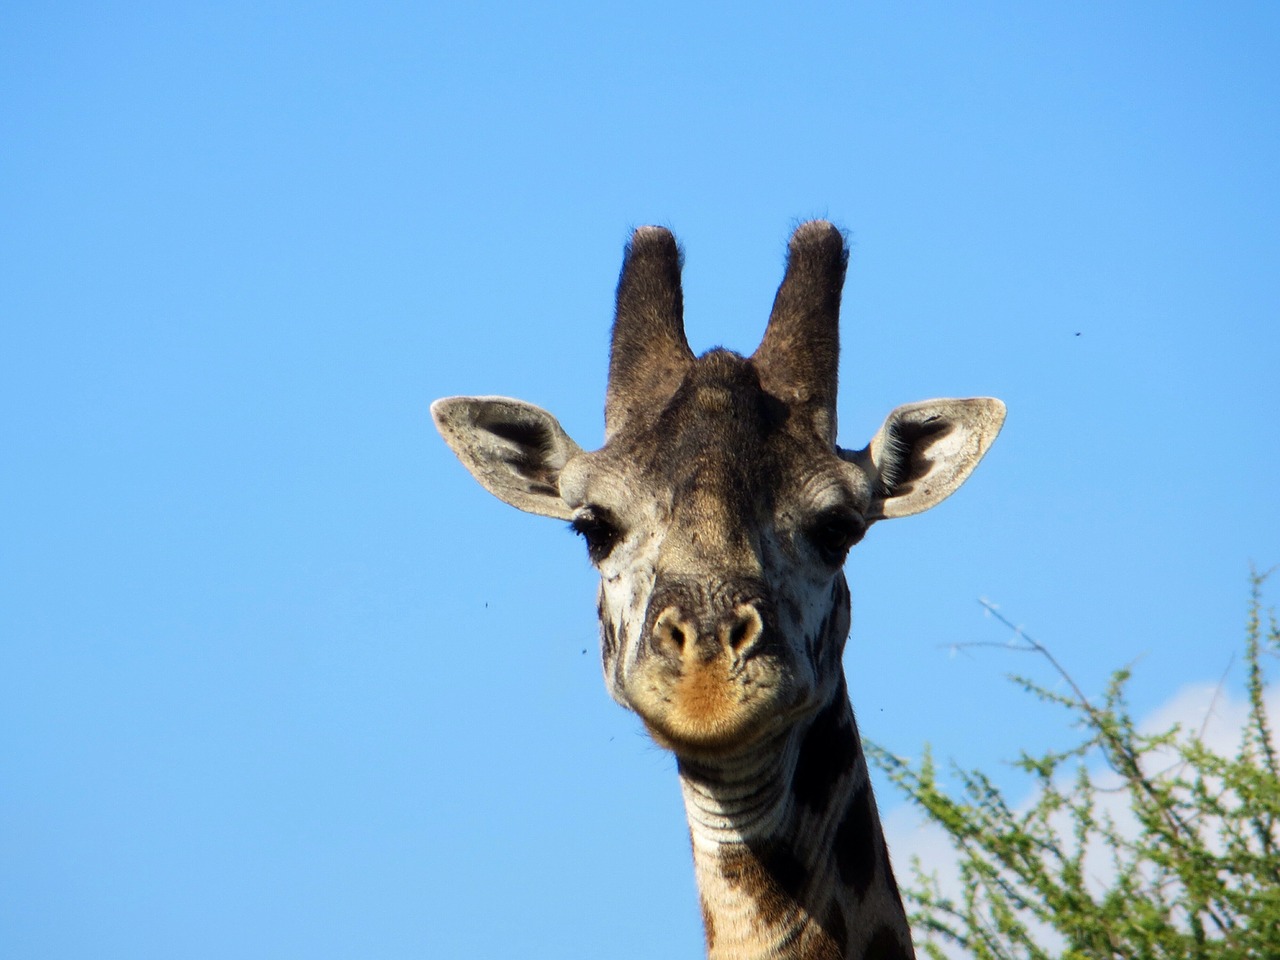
(720, 509)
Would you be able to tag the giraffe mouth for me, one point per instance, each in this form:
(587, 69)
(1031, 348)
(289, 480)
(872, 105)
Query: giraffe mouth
(717, 706)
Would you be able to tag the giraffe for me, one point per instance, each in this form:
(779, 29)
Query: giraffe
(719, 513)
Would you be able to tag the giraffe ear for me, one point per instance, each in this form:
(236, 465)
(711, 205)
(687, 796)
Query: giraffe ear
(515, 450)
(925, 451)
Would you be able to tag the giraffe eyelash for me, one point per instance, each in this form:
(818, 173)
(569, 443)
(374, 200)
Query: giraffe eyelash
(600, 531)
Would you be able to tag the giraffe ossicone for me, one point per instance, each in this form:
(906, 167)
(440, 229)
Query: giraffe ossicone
(719, 513)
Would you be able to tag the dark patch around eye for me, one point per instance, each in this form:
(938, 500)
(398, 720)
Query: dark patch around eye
(832, 532)
(599, 529)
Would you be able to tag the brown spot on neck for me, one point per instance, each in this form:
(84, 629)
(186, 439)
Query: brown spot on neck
(708, 924)
(886, 945)
(829, 752)
(858, 843)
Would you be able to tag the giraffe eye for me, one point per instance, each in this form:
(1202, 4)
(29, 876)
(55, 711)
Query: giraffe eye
(833, 532)
(600, 531)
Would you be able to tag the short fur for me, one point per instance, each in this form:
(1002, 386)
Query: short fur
(719, 512)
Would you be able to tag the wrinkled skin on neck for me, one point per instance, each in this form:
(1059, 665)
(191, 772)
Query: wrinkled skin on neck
(788, 851)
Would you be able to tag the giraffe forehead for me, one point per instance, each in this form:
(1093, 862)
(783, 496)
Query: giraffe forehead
(721, 446)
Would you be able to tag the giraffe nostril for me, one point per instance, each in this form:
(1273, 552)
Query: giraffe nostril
(680, 636)
(744, 628)
(672, 634)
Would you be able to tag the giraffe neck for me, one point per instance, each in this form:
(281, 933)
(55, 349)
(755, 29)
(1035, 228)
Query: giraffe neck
(789, 855)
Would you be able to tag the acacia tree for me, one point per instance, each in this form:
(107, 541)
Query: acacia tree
(1165, 849)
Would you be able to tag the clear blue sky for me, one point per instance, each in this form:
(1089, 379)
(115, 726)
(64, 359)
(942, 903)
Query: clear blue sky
(278, 679)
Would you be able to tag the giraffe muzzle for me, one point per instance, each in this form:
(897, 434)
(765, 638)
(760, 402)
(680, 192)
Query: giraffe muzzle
(712, 673)
(693, 642)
